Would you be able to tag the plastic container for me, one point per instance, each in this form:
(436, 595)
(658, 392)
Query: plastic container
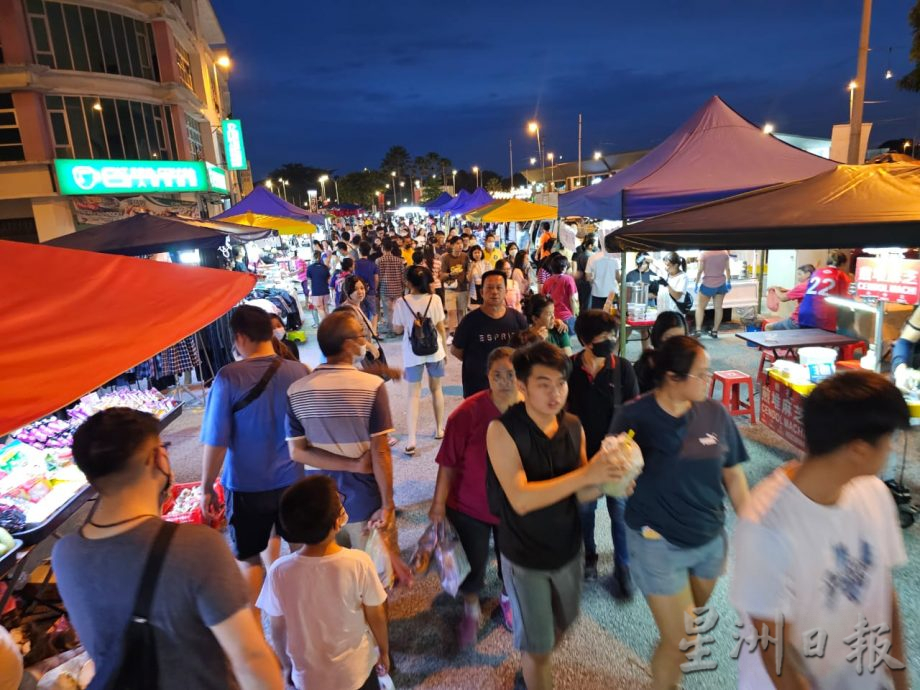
(194, 516)
(820, 362)
(635, 465)
(752, 328)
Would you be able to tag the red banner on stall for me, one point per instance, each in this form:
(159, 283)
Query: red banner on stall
(892, 280)
(781, 411)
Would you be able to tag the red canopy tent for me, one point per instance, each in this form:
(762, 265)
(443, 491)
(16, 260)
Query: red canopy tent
(74, 320)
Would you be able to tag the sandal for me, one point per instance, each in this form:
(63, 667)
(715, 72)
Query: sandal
(409, 450)
(438, 436)
(392, 441)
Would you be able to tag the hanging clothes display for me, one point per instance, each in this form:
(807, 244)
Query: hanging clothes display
(288, 307)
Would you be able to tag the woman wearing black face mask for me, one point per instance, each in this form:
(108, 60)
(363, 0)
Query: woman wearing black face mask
(599, 385)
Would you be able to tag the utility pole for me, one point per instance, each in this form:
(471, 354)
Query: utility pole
(859, 93)
(511, 167)
(579, 148)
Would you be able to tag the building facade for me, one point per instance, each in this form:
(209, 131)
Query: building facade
(107, 80)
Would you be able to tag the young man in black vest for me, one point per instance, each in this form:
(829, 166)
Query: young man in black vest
(538, 472)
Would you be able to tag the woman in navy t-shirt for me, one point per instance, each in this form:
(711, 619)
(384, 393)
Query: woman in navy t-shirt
(675, 518)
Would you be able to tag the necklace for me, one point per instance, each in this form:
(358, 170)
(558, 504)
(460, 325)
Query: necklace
(120, 522)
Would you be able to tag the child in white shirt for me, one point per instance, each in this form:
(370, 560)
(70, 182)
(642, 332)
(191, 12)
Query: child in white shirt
(329, 624)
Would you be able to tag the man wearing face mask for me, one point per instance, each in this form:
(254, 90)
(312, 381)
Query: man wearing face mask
(492, 253)
(600, 383)
(205, 632)
(243, 433)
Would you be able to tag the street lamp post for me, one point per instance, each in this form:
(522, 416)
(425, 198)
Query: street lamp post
(336, 180)
(393, 177)
(552, 167)
(322, 181)
(476, 173)
(284, 185)
(534, 128)
(454, 173)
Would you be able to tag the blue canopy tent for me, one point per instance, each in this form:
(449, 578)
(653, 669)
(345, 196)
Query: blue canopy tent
(715, 154)
(477, 199)
(260, 201)
(458, 200)
(436, 204)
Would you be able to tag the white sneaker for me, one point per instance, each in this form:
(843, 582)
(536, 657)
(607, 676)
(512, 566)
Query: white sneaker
(450, 340)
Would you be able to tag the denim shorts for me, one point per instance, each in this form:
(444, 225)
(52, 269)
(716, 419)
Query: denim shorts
(713, 291)
(414, 374)
(659, 568)
(784, 325)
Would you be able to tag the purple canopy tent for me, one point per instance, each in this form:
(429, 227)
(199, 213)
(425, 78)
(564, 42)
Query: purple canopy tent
(436, 204)
(458, 200)
(477, 199)
(262, 202)
(715, 154)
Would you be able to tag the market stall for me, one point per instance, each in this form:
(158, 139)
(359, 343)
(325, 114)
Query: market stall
(513, 211)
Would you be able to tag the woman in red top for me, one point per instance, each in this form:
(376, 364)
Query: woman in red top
(460, 491)
(562, 288)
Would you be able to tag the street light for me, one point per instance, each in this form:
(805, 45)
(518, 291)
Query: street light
(268, 183)
(393, 175)
(533, 161)
(454, 173)
(284, 184)
(534, 128)
(323, 179)
(597, 155)
(376, 198)
(852, 87)
(768, 128)
(550, 157)
(476, 173)
(223, 61)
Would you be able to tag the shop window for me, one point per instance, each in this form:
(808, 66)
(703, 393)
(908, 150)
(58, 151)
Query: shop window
(88, 127)
(10, 139)
(183, 61)
(194, 138)
(67, 36)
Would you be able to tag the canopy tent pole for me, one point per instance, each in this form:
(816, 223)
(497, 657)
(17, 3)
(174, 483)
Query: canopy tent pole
(760, 271)
(622, 300)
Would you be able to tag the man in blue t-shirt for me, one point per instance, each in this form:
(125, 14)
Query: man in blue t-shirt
(243, 432)
(367, 271)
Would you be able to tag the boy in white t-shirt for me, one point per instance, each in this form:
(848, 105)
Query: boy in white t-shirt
(815, 546)
(326, 603)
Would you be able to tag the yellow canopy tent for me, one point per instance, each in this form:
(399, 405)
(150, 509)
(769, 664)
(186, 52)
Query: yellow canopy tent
(477, 213)
(515, 210)
(284, 226)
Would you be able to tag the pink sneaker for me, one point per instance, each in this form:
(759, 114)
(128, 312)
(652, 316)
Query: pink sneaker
(468, 631)
(504, 604)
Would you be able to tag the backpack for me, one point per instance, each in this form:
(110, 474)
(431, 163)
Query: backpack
(424, 336)
(138, 668)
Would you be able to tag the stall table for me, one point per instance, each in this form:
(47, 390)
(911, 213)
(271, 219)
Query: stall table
(781, 403)
(785, 344)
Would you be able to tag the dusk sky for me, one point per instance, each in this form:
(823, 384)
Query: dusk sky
(335, 84)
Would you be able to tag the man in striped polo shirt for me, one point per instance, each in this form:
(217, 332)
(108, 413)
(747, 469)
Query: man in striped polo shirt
(338, 422)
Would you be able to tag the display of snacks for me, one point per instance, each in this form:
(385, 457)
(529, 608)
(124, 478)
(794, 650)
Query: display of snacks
(37, 482)
(52, 432)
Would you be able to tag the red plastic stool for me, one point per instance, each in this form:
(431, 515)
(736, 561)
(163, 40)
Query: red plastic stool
(849, 351)
(848, 364)
(766, 321)
(765, 356)
(732, 380)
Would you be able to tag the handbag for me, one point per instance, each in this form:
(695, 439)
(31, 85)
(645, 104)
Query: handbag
(259, 388)
(139, 668)
(380, 360)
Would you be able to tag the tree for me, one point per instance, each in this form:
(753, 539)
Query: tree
(445, 166)
(494, 184)
(300, 178)
(431, 190)
(911, 80)
(896, 145)
(396, 159)
(359, 187)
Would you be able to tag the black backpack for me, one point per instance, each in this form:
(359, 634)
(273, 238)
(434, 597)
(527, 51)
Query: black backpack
(138, 668)
(424, 336)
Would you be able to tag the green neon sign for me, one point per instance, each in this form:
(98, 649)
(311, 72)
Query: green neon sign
(88, 176)
(233, 145)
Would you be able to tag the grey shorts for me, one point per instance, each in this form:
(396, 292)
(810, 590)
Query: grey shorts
(544, 602)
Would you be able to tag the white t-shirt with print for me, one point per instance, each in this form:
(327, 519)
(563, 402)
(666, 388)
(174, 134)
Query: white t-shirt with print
(322, 600)
(402, 316)
(821, 567)
(678, 283)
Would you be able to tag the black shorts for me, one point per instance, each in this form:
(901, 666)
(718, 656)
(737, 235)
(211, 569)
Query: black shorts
(251, 516)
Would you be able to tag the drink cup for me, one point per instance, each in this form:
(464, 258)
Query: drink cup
(633, 463)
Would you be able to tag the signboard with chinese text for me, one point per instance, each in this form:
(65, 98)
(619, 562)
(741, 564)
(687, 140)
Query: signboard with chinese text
(234, 149)
(891, 280)
(95, 176)
(781, 412)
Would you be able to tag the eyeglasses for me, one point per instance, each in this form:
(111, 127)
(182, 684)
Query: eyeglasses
(704, 377)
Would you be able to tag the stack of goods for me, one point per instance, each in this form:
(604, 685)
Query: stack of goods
(34, 483)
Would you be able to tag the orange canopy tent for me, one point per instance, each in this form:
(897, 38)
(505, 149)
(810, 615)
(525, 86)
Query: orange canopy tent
(73, 320)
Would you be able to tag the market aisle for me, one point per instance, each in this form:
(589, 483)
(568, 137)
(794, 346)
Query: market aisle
(611, 642)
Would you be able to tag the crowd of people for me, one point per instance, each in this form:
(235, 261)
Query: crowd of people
(541, 436)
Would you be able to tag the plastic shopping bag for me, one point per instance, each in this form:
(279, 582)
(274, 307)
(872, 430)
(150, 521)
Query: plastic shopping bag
(450, 558)
(772, 300)
(424, 550)
(377, 549)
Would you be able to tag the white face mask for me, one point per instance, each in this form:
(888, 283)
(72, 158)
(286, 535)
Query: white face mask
(278, 333)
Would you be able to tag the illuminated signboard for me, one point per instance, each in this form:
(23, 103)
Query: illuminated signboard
(89, 176)
(892, 280)
(233, 145)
